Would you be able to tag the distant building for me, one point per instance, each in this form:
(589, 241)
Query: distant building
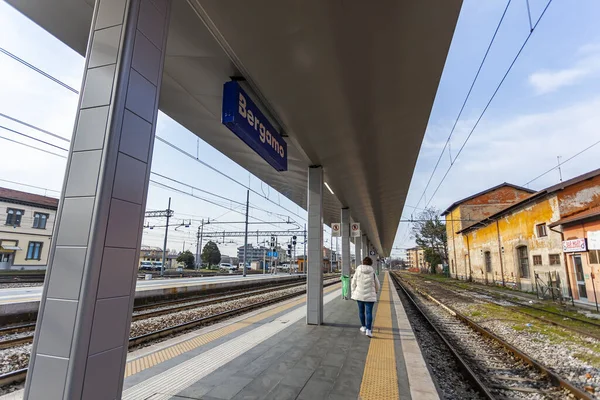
(253, 253)
(150, 253)
(25, 229)
(416, 260)
(330, 264)
(517, 242)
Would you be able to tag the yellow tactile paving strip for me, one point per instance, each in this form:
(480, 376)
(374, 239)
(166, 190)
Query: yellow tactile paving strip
(150, 360)
(379, 379)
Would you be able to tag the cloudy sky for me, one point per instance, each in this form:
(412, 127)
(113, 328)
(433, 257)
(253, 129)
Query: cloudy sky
(547, 107)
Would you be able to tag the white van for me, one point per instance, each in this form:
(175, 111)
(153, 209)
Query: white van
(227, 266)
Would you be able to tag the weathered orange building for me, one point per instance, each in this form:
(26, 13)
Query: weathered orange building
(506, 235)
(581, 233)
(468, 212)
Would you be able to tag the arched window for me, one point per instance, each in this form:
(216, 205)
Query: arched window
(523, 261)
(488, 261)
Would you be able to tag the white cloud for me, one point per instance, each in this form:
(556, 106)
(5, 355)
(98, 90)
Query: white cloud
(550, 81)
(512, 150)
(547, 81)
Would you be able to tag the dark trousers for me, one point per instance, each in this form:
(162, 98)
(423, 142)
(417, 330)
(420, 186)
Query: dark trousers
(365, 308)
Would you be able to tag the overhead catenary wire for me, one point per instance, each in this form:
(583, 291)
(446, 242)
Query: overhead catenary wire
(58, 81)
(563, 162)
(27, 185)
(154, 182)
(39, 71)
(34, 127)
(32, 147)
(226, 176)
(490, 101)
(154, 173)
(33, 138)
(462, 108)
(207, 200)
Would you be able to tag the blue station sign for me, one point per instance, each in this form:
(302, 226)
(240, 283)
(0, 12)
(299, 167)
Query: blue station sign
(245, 119)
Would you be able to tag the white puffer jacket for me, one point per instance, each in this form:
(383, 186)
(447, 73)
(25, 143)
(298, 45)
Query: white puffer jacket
(365, 284)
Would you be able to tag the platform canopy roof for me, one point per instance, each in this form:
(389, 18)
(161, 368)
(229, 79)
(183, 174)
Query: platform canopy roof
(350, 84)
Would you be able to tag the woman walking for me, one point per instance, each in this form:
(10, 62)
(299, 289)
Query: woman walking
(365, 286)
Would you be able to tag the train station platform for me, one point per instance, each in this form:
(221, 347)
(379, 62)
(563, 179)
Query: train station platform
(20, 304)
(272, 354)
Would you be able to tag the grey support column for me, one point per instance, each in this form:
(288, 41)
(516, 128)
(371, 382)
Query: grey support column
(314, 290)
(345, 236)
(81, 339)
(365, 246)
(358, 250)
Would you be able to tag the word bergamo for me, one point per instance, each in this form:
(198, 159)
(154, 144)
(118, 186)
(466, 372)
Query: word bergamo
(265, 135)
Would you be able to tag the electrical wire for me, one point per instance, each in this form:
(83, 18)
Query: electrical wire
(33, 138)
(490, 101)
(462, 108)
(32, 147)
(154, 173)
(31, 186)
(39, 71)
(207, 200)
(224, 175)
(34, 127)
(564, 162)
(156, 136)
(198, 189)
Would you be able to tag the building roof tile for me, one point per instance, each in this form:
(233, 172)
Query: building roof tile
(505, 184)
(16, 196)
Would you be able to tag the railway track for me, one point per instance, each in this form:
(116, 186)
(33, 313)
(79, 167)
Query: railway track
(163, 308)
(584, 327)
(22, 278)
(20, 375)
(496, 369)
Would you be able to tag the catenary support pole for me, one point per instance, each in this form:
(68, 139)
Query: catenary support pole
(314, 290)
(304, 260)
(345, 236)
(331, 253)
(246, 234)
(82, 332)
(358, 251)
(164, 255)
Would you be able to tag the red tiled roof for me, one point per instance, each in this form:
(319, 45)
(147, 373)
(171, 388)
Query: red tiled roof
(17, 196)
(536, 196)
(592, 212)
(505, 184)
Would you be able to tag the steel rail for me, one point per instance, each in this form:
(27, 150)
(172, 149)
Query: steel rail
(552, 376)
(502, 296)
(194, 303)
(20, 375)
(468, 372)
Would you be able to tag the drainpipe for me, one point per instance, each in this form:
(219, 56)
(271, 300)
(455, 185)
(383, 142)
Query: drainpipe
(454, 248)
(469, 256)
(562, 239)
(500, 254)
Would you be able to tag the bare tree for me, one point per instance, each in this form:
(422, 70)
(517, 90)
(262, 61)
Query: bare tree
(429, 232)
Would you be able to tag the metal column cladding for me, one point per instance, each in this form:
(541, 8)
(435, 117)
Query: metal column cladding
(345, 217)
(82, 333)
(244, 118)
(314, 287)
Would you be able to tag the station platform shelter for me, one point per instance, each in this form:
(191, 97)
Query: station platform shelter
(273, 354)
(326, 102)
